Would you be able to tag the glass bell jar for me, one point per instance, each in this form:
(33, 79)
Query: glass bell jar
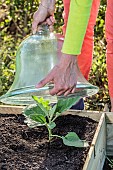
(35, 58)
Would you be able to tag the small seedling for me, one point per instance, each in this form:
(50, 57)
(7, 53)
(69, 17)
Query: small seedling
(43, 114)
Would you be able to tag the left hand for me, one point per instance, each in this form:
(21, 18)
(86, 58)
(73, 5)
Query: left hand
(44, 14)
(63, 76)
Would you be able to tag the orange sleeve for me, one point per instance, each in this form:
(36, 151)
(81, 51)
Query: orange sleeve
(109, 39)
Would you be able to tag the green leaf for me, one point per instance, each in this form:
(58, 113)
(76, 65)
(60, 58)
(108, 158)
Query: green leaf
(64, 104)
(42, 101)
(44, 109)
(38, 118)
(52, 125)
(31, 123)
(72, 139)
(33, 109)
(52, 111)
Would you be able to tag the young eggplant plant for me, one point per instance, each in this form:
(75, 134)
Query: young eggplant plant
(43, 114)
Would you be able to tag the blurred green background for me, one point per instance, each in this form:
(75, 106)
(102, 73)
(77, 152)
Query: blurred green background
(15, 24)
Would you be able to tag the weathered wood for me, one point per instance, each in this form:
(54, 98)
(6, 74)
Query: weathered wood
(95, 115)
(109, 122)
(5, 109)
(109, 117)
(109, 140)
(96, 155)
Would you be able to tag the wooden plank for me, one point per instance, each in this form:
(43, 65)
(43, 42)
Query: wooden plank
(109, 149)
(96, 155)
(109, 117)
(6, 109)
(95, 115)
(109, 121)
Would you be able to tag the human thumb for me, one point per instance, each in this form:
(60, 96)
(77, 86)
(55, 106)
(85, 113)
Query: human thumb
(34, 26)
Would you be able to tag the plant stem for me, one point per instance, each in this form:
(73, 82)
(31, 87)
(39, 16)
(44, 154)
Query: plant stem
(50, 132)
(56, 136)
(54, 118)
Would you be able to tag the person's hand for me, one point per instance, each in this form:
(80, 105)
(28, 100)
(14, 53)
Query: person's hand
(44, 14)
(63, 76)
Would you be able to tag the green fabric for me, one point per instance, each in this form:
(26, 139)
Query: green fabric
(77, 25)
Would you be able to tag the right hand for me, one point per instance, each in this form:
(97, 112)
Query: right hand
(44, 14)
(63, 76)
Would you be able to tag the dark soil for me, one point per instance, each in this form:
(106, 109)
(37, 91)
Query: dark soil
(22, 148)
(107, 164)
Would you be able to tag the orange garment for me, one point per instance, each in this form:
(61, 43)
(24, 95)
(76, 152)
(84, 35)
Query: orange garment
(85, 58)
(109, 39)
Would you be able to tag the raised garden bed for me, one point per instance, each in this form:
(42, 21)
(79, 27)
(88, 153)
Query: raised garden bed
(22, 146)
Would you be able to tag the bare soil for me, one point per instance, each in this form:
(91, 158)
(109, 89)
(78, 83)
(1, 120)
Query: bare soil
(22, 148)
